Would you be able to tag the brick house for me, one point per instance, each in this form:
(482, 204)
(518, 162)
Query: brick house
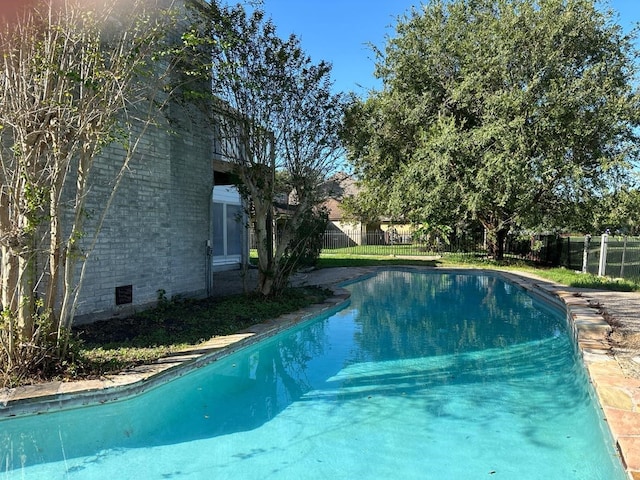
(175, 220)
(344, 231)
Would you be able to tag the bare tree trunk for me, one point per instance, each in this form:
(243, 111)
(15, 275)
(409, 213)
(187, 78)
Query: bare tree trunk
(9, 303)
(18, 272)
(72, 254)
(9, 280)
(500, 239)
(26, 296)
(264, 245)
(55, 257)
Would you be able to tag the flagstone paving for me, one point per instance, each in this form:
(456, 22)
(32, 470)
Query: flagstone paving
(613, 366)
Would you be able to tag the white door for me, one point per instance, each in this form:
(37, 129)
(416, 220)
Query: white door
(227, 228)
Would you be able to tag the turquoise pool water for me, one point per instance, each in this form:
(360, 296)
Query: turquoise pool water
(421, 376)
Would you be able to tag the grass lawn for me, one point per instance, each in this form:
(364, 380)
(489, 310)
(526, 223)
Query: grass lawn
(559, 275)
(116, 344)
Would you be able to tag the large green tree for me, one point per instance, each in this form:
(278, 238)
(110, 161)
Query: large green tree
(619, 212)
(509, 112)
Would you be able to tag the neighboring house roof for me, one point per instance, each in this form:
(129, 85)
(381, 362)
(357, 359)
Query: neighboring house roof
(333, 207)
(338, 187)
(341, 185)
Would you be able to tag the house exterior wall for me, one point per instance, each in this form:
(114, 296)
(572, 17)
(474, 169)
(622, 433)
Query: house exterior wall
(191, 181)
(155, 235)
(353, 231)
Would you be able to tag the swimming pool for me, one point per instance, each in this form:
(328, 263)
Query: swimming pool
(422, 375)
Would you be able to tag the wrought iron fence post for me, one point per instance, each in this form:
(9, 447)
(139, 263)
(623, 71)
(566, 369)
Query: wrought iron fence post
(624, 253)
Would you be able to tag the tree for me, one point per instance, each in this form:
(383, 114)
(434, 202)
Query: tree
(275, 112)
(501, 111)
(77, 78)
(618, 212)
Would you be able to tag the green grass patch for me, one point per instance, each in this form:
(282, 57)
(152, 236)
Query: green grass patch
(558, 275)
(586, 280)
(349, 260)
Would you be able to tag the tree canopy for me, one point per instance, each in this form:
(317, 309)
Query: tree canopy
(514, 113)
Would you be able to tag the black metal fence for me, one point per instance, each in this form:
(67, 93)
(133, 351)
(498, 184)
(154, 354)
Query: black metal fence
(622, 259)
(542, 249)
(396, 243)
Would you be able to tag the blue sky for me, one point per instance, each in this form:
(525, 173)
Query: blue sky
(338, 31)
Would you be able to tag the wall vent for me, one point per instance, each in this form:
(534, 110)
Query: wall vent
(124, 294)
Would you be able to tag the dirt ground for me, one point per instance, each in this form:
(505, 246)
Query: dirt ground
(622, 311)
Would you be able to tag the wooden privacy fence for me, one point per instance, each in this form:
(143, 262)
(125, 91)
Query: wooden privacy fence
(396, 243)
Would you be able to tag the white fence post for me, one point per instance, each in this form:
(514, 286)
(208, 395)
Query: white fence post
(602, 266)
(585, 253)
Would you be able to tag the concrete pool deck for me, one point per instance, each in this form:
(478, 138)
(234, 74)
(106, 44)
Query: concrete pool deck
(613, 372)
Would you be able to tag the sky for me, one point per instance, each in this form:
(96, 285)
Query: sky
(338, 31)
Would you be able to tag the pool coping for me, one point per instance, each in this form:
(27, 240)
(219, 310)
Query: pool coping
(58, 395)
(618, 395)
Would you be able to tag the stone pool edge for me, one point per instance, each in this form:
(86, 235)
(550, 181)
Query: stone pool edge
(58, 395)
(618, 395)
